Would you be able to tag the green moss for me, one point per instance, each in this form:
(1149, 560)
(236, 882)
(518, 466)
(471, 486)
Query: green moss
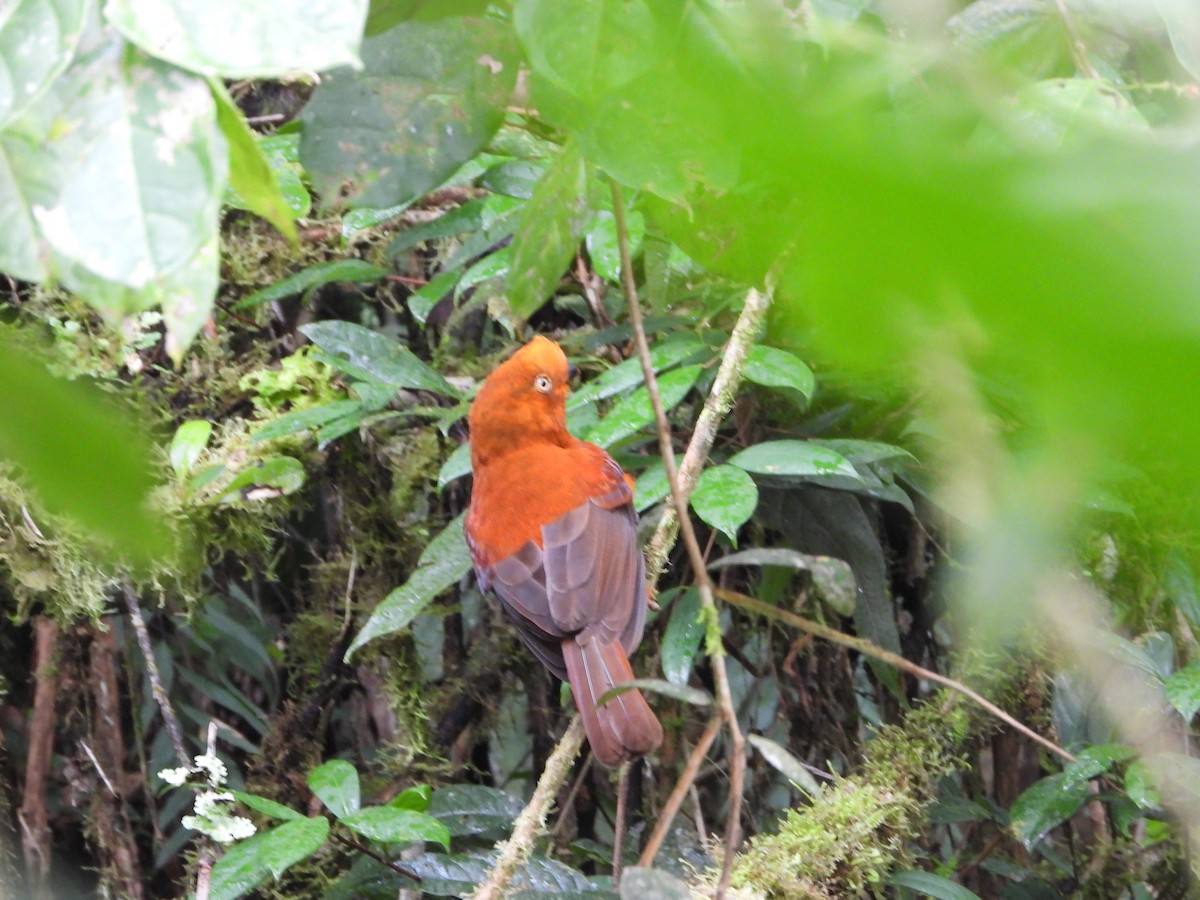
(860, 829)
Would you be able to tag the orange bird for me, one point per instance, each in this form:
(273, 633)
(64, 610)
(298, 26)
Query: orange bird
(553, 532)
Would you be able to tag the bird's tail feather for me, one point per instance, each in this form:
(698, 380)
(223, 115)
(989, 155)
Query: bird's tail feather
(624, 726)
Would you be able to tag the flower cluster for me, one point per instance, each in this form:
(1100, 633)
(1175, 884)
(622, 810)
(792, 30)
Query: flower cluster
(211, 813)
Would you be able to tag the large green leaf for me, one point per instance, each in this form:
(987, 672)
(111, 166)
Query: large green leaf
(429, 96)
(930, 884)
(83, 456)
(474, 809)
(772, 367)
(270, 853)
(681, 642)
(389, 825)
(445, 561)
(796, 459)
(328, 272)
(1045, 805)
(234, 39)
(782, 759)
(37, 38)
(634, 412)
(549, 234)
(335, 783)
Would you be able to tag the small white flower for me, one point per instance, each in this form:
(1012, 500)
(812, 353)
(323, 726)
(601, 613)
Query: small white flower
(206, 802)
(213, 767)
(175, 777)
(228, 829)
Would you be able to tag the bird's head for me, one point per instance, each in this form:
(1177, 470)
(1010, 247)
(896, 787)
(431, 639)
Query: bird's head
(524, 399)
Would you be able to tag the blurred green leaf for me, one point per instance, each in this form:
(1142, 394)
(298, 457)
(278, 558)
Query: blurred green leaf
(335, 783)
(783, 760)
(1182, 19)
(389, 825)
(682, 638)
(37, 38)
(445, 561)
(231, 39)
(252, 179)
(549, 234)
(188, 443)
(776, 368)
(83, 456)
(429, 96)
(602, 246)
(352, 270)
(1092, 761)
(415, 798)
(1183, 690)
(1140, 787)
(653, 485)
(627, 374)
(725, 498)
(304, 419)
(378, 355)
(247, 864)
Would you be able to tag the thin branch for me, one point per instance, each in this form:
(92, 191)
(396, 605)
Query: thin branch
(686, 782)
(367, 850)
(737, 750)
(867, 648)
(156, 687)
(1078, 47)
(532, 819)
(622, 821)
(716, 407)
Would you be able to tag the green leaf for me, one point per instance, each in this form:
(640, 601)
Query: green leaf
(21, 161)
(136, 181)
(681, 692)
(389, 825)
(833, 578)
(783, 760)
(602, 246)
(429, 97)
(267, 807)
(445, 561)
(265, 480)
(634, 412)
(248, 863)
(645, 883)
(82, 455)
(188, 443)
(653, 484)
(793, 459)
(1095, 760)
(682, 638)
(352, 270)
(378, 355)
(1182, 19)
(457, 874)
(415, 798)
(253, 179)
(231, 39)
(627, 374)
(549, 234)
(1140, 786)
(589, 46)
(1044, 806)
(930, 885)
(1183, 690)
(725, 497)
(335, 783)
(304, 419)
(865, 452)
(457, 465)
(474, 809)
(775, 368)
(37, 38)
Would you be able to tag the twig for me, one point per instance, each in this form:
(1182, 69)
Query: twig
(685, 783)
(716, 408)
(867, 648)
(622, 821)
(532, 819)
(1078, 48)
(33, 815)
(737, 749)
(376, 855)
(99, 768)
(156, 687)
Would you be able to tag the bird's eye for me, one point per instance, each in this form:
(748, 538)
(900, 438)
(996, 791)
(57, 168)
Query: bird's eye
(543, 383)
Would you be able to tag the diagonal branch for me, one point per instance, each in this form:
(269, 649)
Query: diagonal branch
(737, 748)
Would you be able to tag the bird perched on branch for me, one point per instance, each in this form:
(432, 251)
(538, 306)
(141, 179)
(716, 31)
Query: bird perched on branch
(553, 532)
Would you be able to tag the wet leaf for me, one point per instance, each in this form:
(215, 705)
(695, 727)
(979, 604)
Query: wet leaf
(634, 412)
(335, 783)
(377, 355)
(1045, 806)
(474, 809)
(681, 642)
(351, 270)
(725, 497)
(267, 807)
(37, 38)
(776, 368)
(248, 863)
(793, 459)
(389, 825)
(783, 760)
